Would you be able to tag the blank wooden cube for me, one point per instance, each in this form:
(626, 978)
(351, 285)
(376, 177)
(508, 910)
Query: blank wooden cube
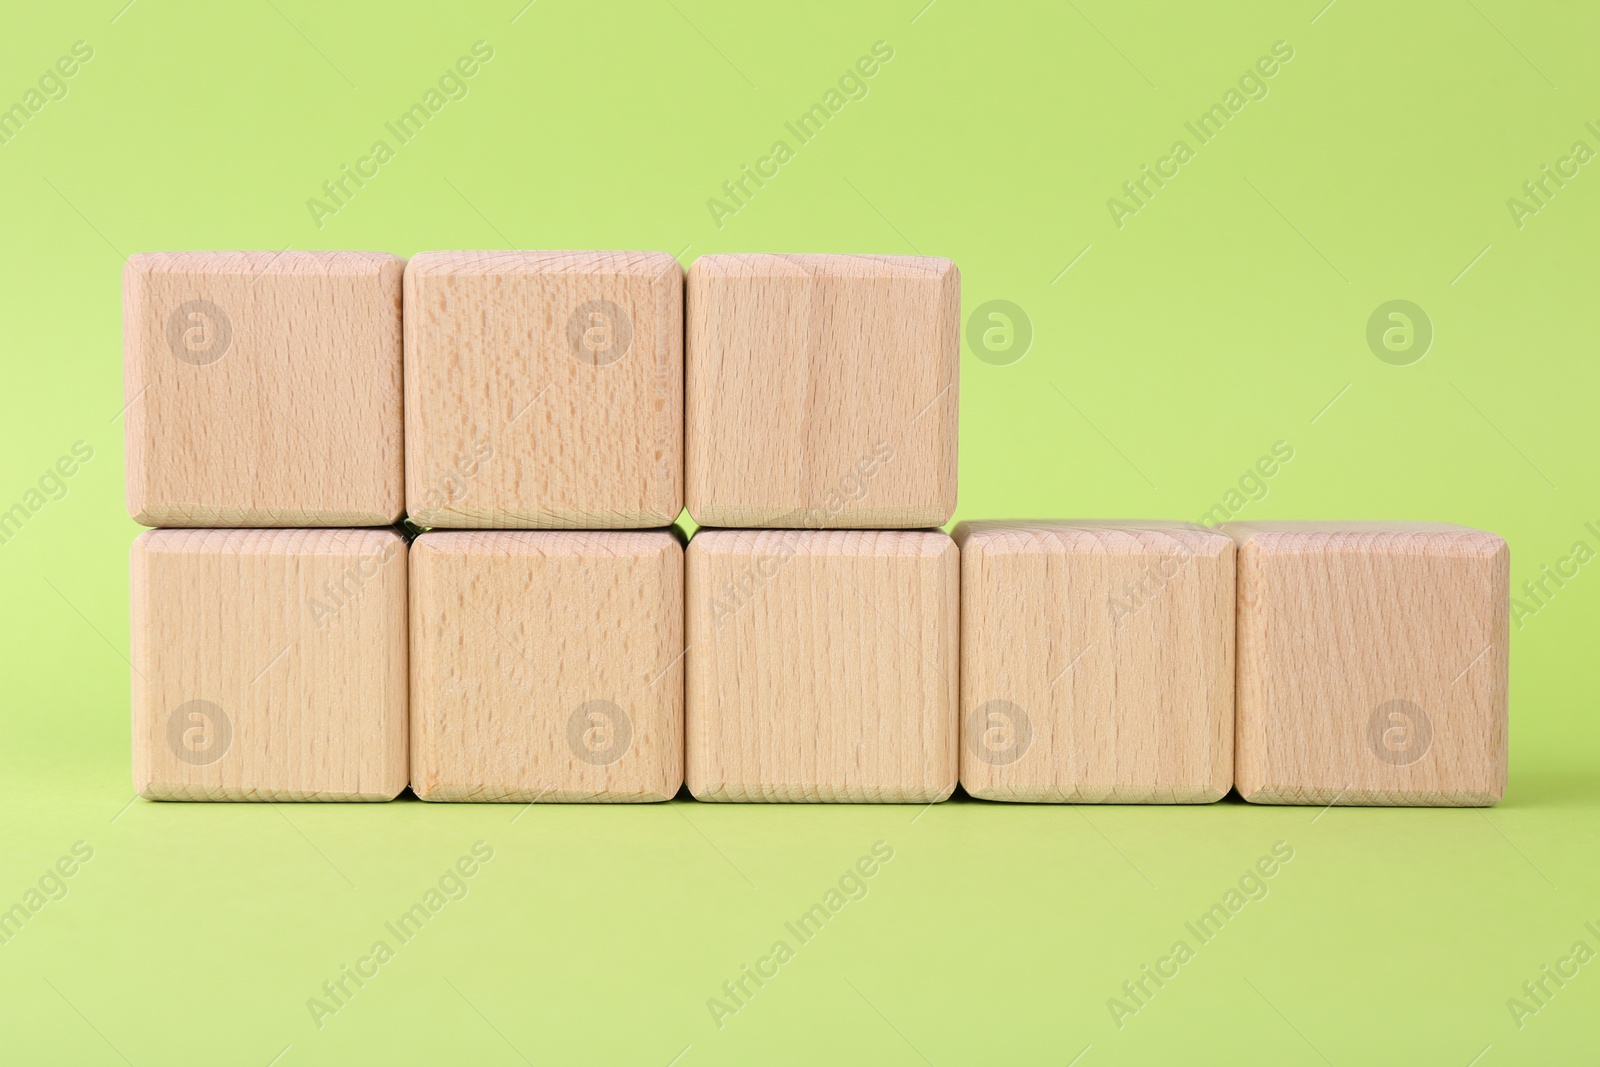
(822, 665)
(821, 391)
(547, 666)
(263, 388)
(1373, 663)
(544, 389)
(269, 664)
(1096, 661)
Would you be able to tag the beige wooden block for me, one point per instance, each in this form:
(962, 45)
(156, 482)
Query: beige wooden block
(263, 388)
(822, 665)
(269, 664)
(1096, 661)
(1373, 663)
(547, 666)
(821, 391)
(544, 389)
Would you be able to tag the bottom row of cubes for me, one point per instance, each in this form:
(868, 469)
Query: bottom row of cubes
(1142, 662)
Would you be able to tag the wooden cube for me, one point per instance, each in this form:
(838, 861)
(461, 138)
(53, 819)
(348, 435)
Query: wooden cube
(822, 665)
(269, 664)
(263, 388)
(1373, 663)
(547, 666)
(821, 391)
(1096, 661)
(544, 389)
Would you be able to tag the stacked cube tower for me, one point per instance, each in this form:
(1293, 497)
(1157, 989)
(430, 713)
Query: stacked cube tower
(416, 528)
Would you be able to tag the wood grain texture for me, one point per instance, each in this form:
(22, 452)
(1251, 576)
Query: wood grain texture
(547, 666)
(263, 388)
(822, 665)
(1096, 661)
(1373, 662)
(821, 391)
(269, 664)
(544, 389)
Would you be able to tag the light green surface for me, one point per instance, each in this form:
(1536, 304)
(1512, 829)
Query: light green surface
(1224, 316)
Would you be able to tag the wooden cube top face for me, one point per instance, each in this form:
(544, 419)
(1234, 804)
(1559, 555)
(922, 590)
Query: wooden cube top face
(263, 388)
(1096, 661)
(822, 665)
(544, 389)
(547, 665)
(269, 664)
(821, 391)
(1373, 663)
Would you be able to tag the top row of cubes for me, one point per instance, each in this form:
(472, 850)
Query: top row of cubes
(540, 389)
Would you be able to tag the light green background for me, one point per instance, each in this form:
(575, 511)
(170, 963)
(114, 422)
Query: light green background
(1224, 316)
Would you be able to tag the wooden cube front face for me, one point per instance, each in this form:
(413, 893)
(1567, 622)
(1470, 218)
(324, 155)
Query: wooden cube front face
(547, 666)
(822, 665)
(821, 391)
(544, 389)
(1096, 662)
(263, 388)
(269, 664)
(1373, 664)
